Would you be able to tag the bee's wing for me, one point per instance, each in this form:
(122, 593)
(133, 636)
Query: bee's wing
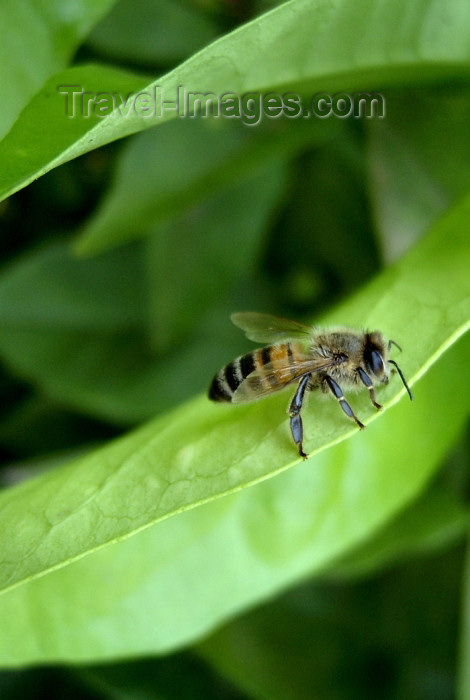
(264, 328)
(269, 378)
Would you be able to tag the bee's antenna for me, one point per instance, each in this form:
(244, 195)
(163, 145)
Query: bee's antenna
(402, 378)
(392, 342)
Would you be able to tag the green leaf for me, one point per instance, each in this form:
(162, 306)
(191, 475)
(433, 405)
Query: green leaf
(173, 582)
(312, 46)
(41, 38)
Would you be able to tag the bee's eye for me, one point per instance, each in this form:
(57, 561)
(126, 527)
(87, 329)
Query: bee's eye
(375, 362)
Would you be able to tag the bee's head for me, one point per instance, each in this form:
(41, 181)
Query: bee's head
(377, 362)
(375, 357)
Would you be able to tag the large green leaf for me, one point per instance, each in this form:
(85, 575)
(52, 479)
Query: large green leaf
(174, 582)
(38, 39)
(196, 569)
(313, 46)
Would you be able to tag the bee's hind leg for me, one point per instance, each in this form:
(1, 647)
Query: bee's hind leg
(296, 425)
(338, 394)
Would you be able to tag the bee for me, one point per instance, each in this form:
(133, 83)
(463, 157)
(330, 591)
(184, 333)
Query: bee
(308, 357)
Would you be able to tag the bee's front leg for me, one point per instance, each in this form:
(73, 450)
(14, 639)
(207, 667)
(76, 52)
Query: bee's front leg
(367, 381)
(296, 426)
(338, 394)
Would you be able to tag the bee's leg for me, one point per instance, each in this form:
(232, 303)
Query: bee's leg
(367, 381)
(296, 426)
(338, 394)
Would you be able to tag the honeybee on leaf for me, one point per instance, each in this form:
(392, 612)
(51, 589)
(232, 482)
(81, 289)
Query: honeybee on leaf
(308, 357)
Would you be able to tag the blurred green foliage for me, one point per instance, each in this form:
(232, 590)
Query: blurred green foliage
(119, 272)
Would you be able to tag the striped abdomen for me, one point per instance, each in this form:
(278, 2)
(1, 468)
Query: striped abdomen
(227, 381)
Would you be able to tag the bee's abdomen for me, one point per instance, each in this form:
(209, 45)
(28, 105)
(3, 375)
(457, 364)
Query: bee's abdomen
(227, 381)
